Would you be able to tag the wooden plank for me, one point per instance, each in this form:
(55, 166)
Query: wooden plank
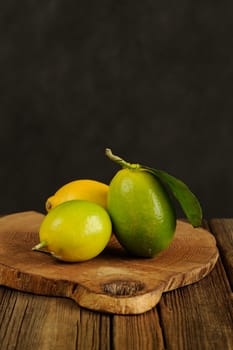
(44, 323)
(13, 317)
(223, 232)
(199, 316)
(137, 332)
(94, 331)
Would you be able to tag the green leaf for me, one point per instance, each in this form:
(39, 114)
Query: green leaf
(187, 200)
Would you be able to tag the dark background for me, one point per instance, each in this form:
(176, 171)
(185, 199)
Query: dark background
(150, 79)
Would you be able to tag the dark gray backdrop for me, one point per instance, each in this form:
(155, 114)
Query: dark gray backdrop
(151, 79)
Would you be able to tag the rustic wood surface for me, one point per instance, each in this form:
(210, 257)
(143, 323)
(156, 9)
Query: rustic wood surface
(113, 281)
(197, 316)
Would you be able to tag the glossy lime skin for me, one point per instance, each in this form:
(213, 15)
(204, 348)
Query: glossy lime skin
(142, 214)
(76, 230)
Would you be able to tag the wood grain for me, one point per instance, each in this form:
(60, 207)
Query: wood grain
(138, 332)
(113, 282)
(37, 322)
(223, 232)
(198, 316)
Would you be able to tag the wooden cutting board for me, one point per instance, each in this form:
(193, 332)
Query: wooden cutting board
(112, 282)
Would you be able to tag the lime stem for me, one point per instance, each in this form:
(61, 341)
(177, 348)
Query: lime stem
(40, 245)
(119, 160)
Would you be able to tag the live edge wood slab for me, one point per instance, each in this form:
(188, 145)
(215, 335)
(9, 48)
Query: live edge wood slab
(113, 282)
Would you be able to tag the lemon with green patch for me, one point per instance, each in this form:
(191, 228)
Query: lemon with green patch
(75, 231)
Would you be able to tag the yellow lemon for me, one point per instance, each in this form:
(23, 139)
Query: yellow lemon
(75, 231)
(83, 189)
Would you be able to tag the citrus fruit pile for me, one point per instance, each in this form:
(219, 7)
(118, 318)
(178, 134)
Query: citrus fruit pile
(137, 206)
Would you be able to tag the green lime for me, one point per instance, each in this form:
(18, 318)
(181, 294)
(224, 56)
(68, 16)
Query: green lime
(143, 216)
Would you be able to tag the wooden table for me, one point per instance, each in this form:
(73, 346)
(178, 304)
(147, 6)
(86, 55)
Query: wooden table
(198, 316)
